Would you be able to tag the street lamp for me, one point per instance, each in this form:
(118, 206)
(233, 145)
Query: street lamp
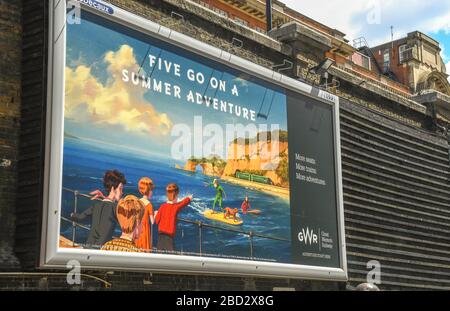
(322, 67)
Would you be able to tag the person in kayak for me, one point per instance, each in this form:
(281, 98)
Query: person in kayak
(220, 193)
(245, 206)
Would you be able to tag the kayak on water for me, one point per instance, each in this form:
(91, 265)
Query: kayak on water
(254, 212)
(219, 216)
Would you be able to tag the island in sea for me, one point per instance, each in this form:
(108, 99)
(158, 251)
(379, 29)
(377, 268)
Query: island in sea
(248, 168)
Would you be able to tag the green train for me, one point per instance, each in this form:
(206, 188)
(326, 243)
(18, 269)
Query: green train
(254, 178)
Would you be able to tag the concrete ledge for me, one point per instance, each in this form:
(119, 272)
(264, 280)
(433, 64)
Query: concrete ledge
(304, 35)
(441, 101)
(213, 17)
(384, 92)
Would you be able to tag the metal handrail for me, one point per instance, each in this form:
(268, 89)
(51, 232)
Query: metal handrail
(360, 43)
(76, 223)
(251, 235)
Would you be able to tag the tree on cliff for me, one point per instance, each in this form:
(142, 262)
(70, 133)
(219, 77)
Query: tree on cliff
(283, 170)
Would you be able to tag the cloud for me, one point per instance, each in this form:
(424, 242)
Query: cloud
(440, 23)
(325, 11)
(113, 102)
(373, 18)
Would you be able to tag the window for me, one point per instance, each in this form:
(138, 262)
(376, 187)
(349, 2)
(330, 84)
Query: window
(386, 60)
(366, 62)
(361, 60)
(402, 53)
(386, 56)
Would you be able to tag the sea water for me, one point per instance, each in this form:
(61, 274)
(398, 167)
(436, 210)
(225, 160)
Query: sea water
(85, 163)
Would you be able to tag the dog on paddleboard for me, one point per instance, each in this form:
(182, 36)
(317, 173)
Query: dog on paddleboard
(230, 213)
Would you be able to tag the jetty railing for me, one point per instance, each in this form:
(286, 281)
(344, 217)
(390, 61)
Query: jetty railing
(200, 224)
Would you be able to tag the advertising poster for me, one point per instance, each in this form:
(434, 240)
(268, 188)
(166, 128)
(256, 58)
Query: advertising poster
(167, 152)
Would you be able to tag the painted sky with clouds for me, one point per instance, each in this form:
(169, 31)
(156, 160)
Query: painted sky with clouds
(99, 105)
(373, 18)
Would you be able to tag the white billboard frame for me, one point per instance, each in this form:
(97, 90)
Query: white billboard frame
(52, 256)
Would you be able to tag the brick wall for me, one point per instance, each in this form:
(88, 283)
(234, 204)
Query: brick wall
(10, 99)
(234, 12)
(400, 71)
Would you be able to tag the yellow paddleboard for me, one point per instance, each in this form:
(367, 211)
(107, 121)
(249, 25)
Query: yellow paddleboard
(218, 216)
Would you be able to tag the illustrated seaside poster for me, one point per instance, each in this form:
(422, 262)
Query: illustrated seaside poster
(168, 152)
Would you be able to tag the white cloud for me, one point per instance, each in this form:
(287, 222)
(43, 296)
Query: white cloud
(114, 103)
(440, 23)
(373, 18)
(325, 12)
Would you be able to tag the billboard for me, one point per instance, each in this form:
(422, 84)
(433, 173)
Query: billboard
(167, 154)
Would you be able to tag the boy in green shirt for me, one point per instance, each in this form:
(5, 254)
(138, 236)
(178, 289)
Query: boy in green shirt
(220, 193)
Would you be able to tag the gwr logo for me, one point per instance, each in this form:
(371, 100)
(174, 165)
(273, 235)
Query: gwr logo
(308, 237)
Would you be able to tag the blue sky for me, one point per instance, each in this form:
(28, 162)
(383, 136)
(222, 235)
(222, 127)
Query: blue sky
(100, 105)
(373, 18)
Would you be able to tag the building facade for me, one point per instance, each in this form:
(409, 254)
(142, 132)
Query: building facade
(414, 61)
(395, 142)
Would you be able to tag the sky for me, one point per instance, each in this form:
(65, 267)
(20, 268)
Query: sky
(101, 105)
(372, 19)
